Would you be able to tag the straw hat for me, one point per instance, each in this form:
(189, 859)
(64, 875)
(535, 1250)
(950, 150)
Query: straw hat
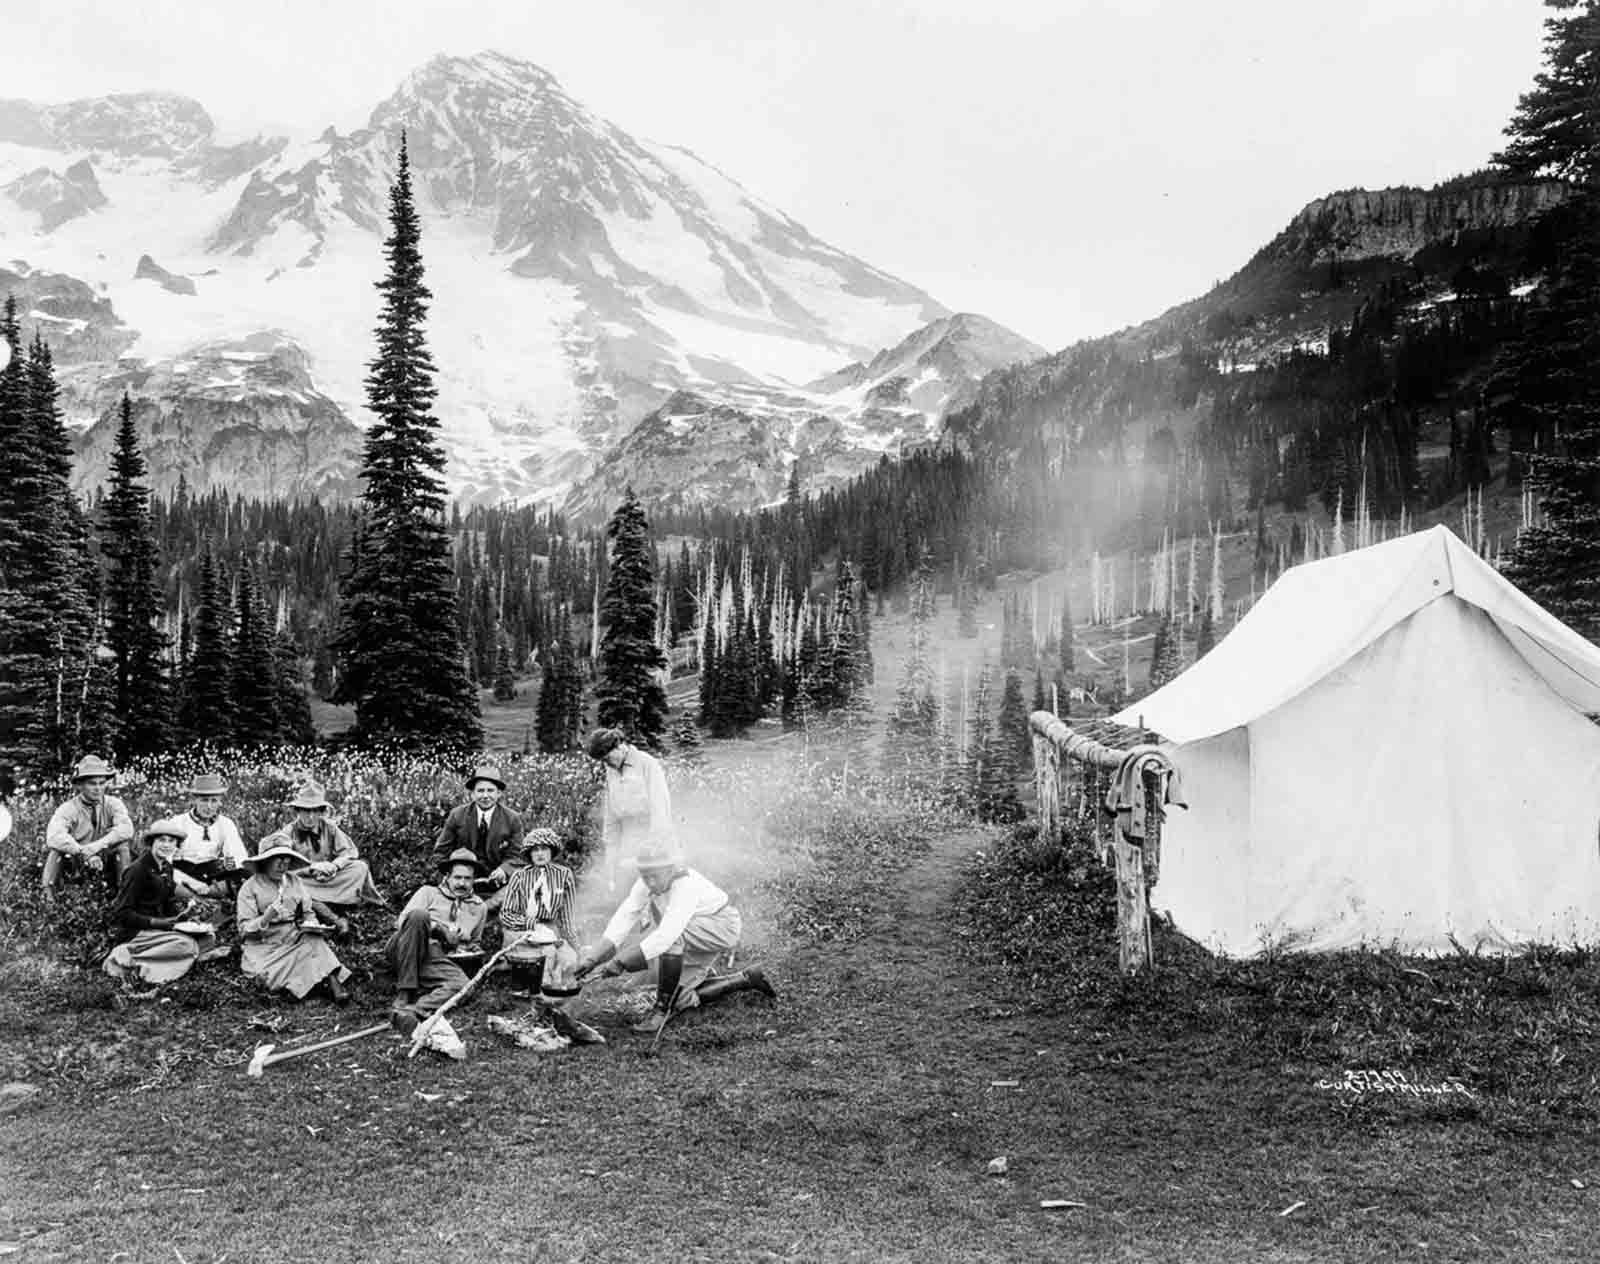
(309, 798)
(463, 856)
(92, 766)
(542, 837)
(486, 772)
(166, 827)
(280, 849)
(207, 783)
(656, 855)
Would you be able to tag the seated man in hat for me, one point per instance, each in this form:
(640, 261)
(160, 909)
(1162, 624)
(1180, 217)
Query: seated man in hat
(539, 895)
(210, 863)
(91, 831)
(147, 912)
(441, 924)
(487, 828)
(687, 922)
(334, 872)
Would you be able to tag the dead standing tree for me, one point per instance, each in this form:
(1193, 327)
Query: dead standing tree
(1125, 787)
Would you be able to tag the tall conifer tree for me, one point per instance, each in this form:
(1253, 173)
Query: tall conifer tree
(255, 670)
(1548, 378)
(133, 602)
(399, 644)
(629, 693)
(207, 711)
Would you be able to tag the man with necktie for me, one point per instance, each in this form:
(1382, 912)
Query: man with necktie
(489, 829)
(210, 860)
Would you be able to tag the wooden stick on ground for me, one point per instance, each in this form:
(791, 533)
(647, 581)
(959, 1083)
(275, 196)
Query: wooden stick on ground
(420, 1036)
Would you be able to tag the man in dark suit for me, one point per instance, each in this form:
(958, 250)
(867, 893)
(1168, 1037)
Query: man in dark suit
(487, 828)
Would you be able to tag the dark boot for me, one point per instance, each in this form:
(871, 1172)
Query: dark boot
(525, 979)
(336, 990)
(669, 970)
(753, 979)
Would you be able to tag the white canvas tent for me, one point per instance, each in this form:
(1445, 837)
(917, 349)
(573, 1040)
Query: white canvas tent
(1390, 750)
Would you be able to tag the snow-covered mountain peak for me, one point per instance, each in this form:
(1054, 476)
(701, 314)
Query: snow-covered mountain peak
(581, 276)
(128, 125)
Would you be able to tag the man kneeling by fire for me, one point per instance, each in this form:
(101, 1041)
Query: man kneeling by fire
(688, 923)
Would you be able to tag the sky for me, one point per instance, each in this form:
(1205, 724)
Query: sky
(1064, 167)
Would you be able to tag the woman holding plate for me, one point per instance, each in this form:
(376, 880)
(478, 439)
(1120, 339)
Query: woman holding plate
(285, 930)
(158, 945)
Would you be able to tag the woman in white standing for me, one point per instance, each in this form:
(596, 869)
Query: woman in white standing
(638, 807)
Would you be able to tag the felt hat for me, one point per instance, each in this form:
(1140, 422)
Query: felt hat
(207, 783)
(541, 837)
(658, 855)
(278, 849)
(166, 827)
(463, 856)
(486, 772)
(91, 766)
(309, 797)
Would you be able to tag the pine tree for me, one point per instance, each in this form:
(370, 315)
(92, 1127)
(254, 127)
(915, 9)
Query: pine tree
(559, 715)
(142, 688)
(686, 736)
(505, 680)
(255, 675)
(909, 734)
(1067, 649)
(1206, 638)
(207, 710)
(1547, 378)
(989, 766)
(45, 614)
(401, 658)
(966, 607)
(1164, 661)
(1014, 737)
(293, 699)
(629, 694)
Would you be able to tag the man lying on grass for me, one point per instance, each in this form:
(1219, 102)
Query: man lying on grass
(439, 930)
(688, 922)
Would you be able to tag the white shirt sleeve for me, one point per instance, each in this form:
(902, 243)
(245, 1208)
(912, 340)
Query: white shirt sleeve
(683, 897)
(627, 916)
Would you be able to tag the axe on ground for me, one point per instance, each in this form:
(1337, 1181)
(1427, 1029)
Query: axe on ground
(264, 1057)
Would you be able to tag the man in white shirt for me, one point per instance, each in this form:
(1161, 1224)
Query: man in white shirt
(687, 923)
(210, 861)
(212, 853)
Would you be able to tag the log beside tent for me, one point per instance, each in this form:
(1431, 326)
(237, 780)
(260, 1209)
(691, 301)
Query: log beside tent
(1133, 784)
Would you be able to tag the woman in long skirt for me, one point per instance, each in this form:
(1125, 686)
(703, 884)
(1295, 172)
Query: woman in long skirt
(285, 930)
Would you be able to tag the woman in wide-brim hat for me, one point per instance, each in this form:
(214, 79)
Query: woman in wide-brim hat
(148, 910)
(275, 914)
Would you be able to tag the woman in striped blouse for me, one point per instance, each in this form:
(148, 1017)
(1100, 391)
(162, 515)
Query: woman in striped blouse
(541, 894)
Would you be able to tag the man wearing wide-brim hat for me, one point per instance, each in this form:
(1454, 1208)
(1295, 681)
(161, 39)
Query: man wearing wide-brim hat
(687, 924)
(489, 829)
(90, 831)
(334, 871)
(439, 930)
(210, 862)
(148, 911)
